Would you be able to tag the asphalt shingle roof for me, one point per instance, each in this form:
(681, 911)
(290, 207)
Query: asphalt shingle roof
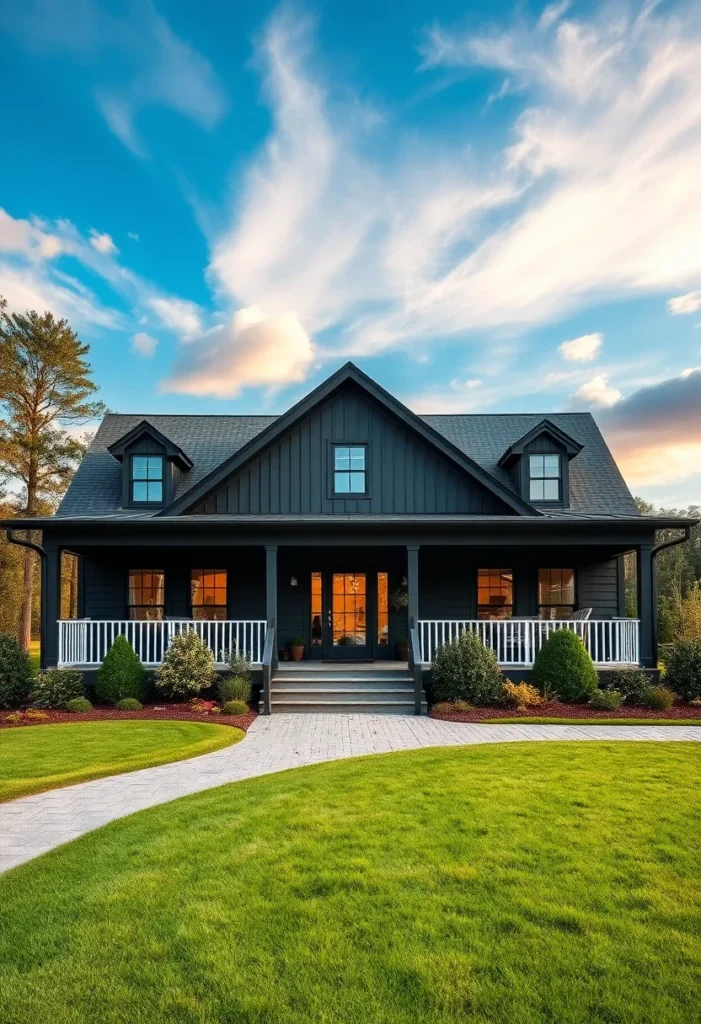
(596, 485)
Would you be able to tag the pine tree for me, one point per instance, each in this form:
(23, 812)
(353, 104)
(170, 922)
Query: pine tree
(45, 386)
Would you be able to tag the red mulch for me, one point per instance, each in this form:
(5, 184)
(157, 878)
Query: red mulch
(156, 711)
(554, 709)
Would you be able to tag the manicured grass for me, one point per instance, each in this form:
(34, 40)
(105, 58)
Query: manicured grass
(532, 720)
(42, 757)
(529, 883)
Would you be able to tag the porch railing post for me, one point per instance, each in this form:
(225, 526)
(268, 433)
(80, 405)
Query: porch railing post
(412, 576)
(646, 609)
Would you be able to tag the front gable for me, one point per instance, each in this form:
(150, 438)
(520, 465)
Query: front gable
(411, 469)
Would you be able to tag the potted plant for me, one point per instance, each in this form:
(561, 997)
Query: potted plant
(296, 646)
(403, 649)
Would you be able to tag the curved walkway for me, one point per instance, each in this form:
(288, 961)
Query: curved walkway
(32, 825)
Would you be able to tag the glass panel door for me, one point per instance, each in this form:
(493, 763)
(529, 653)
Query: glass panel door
(349, 618)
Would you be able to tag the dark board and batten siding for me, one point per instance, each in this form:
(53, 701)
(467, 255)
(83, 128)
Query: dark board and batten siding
(405, 476)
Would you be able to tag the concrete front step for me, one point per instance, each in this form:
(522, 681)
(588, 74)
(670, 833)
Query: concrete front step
(344, 677)
(341, 704)
(339, 686)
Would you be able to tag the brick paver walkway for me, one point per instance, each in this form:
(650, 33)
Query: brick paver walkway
(32, 825)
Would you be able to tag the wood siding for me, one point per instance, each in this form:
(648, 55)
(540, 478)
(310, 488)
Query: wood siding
(404, 474)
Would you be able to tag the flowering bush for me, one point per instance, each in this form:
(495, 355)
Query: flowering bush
(56, 686)
(187, 668)
(202, 706)
(519, 695)
(606, 700)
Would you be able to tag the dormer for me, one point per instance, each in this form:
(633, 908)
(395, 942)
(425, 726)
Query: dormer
(539, 464)
(151, 467)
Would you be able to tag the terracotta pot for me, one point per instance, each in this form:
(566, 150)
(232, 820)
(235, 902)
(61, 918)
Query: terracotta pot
(297, 653)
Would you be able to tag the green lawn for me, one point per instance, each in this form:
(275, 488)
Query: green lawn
(39, 757)
(510, 884)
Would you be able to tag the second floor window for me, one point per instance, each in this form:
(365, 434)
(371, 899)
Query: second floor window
(147, 478)
(208, 588)
(349, 470)
(544, 472)
(146, 594)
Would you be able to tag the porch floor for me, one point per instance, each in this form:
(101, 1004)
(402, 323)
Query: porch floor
(343, 666)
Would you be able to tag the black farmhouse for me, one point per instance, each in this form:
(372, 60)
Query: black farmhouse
(369, 533)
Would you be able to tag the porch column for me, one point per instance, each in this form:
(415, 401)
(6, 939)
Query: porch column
(412, 576)
(271, 593)
(647, 612)
(50, 605)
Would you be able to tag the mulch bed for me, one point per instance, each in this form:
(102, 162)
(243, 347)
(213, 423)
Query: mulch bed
(156, 711)
(554, 709)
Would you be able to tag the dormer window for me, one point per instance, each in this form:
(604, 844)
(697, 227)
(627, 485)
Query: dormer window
(545, 477)
(147, 479)
(349, 469)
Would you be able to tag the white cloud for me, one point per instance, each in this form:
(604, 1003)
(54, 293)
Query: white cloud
(133, 235)
(30, 286)
(582, 350)
(179, 315)
(28, 237)
(683, 304)
(159, 68)
(596, 392)
(144, 344)
(251, 350)
(103, 243)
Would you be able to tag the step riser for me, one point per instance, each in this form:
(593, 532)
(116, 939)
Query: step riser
(340, 687)
(341, 677)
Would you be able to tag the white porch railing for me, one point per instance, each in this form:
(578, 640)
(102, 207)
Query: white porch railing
(86, 641)
(517, 641)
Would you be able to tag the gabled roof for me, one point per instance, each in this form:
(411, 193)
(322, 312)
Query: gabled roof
(142, 429)
(348, 372)
(596, 486)
(545, 426)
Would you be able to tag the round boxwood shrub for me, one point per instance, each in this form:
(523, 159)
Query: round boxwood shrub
(606, 700)
(466, 670)
(54, 687)
(658, 698)
(129, 704)
(234, 688)
(121, 673)
(563, 666)
(78, 704)
(187, 668)
(631, 683)
(235, 707)
(683, 669)
(15, 672)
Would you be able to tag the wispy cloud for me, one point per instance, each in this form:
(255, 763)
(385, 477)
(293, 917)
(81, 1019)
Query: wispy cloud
(144, 344)
(684, 304)
(583, 349)
(103, 243)
(596, 392)
(158, 68)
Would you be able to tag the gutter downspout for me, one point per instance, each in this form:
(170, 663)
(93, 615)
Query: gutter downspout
(11, 539)
(654, 553)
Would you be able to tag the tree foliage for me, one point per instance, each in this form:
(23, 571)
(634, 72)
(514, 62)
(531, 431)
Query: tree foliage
(45, 386)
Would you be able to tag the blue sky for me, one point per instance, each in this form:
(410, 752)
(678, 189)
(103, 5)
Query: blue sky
(488, 207)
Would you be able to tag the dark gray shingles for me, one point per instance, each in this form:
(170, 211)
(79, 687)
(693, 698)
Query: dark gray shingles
(596, 486)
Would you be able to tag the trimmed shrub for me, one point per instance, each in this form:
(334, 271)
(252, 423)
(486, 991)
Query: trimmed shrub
(683, 669)
(15, 672)
(187, 668)
(466, 670)
(519, 695)
(234, 688)
(78, 704)
(658, 698)
(56, 686)
(129, 704)
(606, 700)
(121, 673)
(240, 667)
(631, 683)
(235, 707)
(563, 666)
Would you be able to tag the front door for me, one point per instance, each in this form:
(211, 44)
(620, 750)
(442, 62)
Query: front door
(348, 617)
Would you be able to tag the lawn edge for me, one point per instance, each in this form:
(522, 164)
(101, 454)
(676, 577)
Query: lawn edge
(228, 738)
(533, 720)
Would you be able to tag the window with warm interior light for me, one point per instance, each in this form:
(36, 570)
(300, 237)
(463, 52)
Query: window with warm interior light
(146, 594)
(208, 590)
(556, 593)
(495, 593)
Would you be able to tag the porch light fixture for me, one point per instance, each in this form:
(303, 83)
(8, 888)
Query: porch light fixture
(293, 581)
